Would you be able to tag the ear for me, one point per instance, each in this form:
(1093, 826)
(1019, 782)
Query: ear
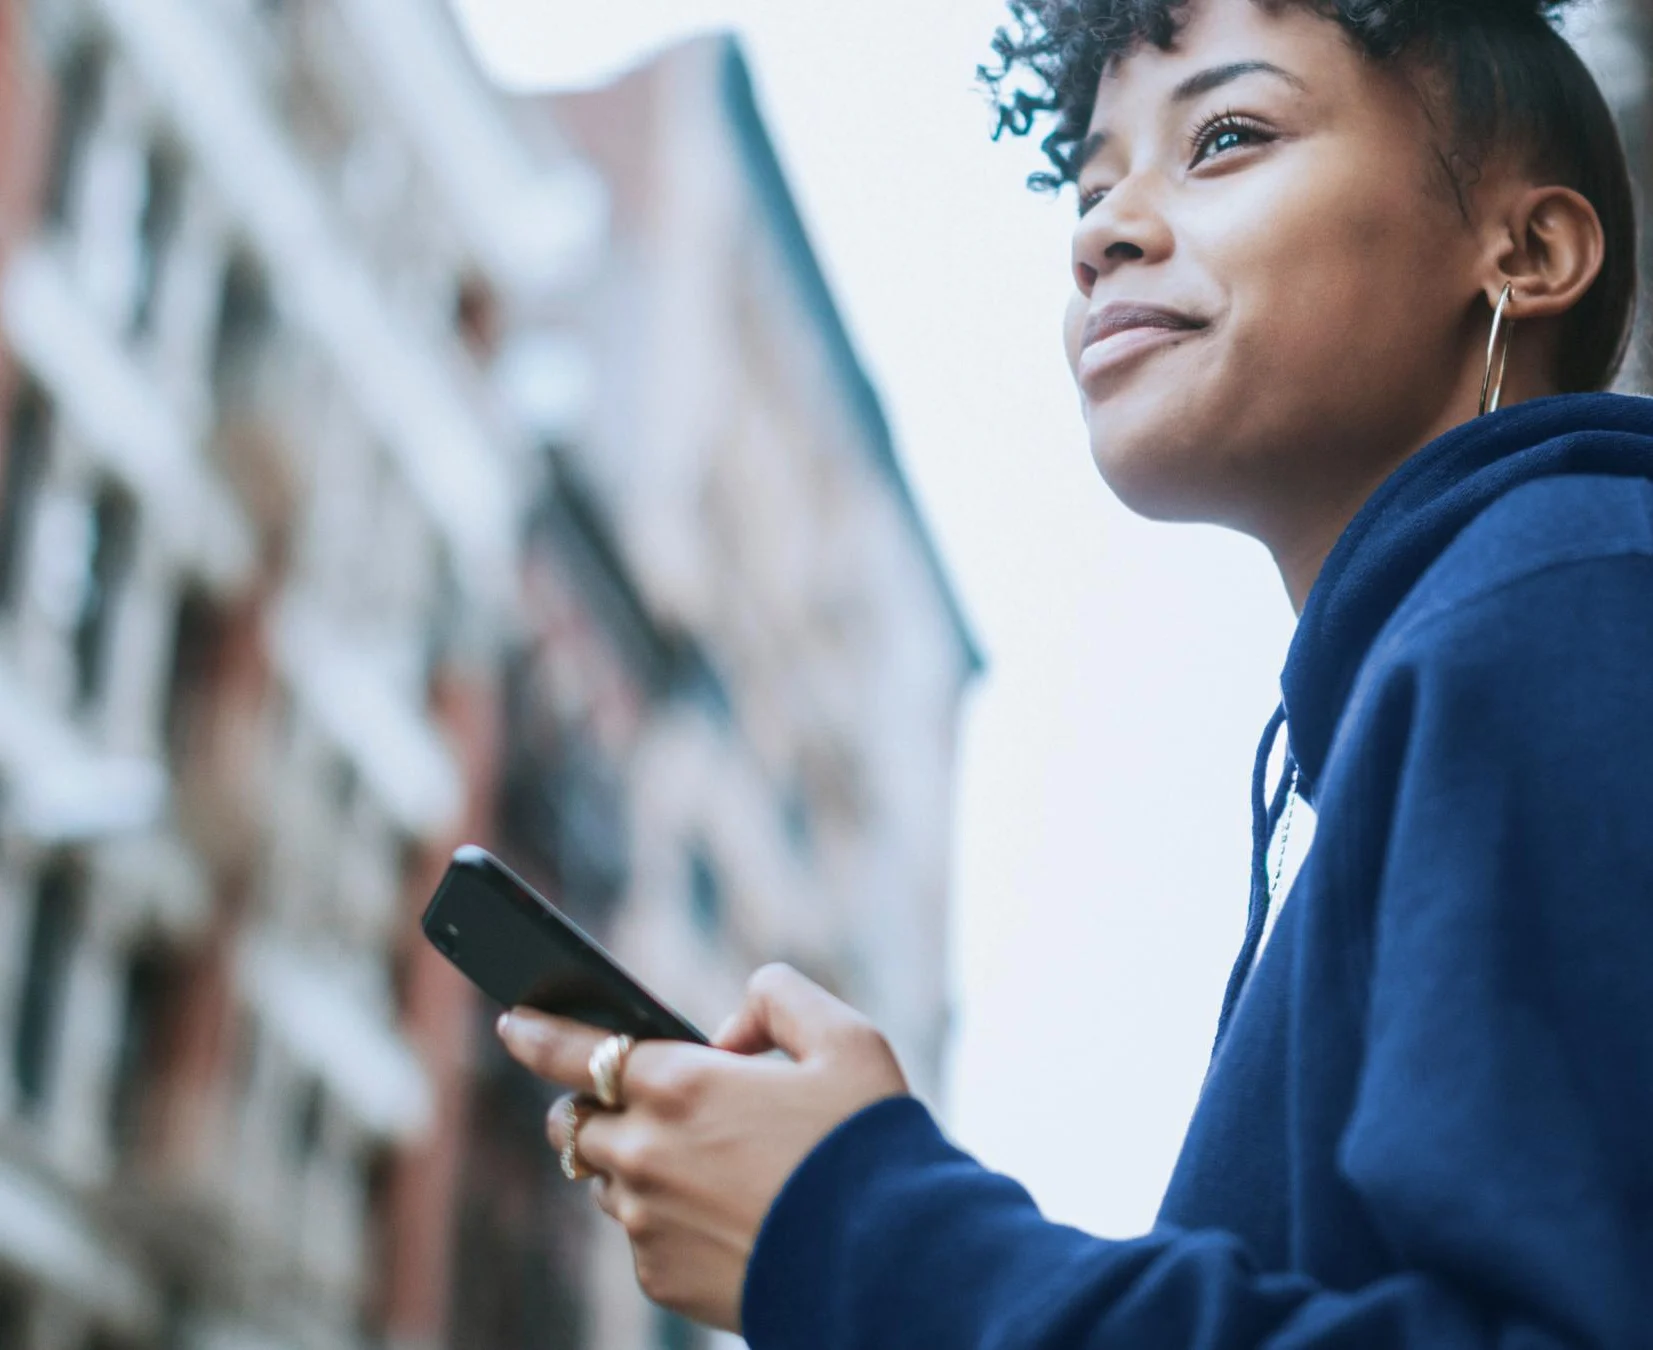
(1550, 253)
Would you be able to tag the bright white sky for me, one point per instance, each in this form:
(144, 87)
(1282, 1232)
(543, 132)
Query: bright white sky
(1103, 829)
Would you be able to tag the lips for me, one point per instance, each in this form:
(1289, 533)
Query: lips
(1122, 333)
(1121, 316)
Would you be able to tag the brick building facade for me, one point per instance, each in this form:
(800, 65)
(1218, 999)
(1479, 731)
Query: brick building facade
(343, 518)
(258, 554)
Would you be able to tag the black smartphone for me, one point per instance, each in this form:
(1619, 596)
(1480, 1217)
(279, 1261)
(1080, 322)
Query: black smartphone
(514, 946)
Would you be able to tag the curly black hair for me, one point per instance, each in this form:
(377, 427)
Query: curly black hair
(1509, 80)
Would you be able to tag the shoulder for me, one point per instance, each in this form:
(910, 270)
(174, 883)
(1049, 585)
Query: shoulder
(1567, 541)
(1528, 645)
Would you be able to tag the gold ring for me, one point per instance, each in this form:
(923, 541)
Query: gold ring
(608, 1067)
(568, 1111)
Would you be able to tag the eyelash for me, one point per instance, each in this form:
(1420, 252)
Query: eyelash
(1228, 120)
(1199, 140)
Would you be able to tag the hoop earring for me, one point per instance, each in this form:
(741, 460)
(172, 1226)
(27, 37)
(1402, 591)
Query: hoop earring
(1499, 329)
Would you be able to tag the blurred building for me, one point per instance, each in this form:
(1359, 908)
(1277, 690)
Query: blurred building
(733, 735)
(1615, 39)
(258, 558)
(380, 470)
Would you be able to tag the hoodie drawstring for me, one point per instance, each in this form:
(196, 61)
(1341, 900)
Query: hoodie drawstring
(1265, 818)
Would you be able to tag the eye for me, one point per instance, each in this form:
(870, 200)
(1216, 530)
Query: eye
(1087, 200)
(1224, 132)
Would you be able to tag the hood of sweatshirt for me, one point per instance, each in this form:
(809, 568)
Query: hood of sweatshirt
(1401, 530)
(1412, 518)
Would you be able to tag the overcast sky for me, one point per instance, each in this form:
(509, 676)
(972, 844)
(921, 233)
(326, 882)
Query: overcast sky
(1102, 830)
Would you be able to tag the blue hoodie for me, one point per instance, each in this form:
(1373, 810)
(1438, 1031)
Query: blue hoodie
(1429, 1118)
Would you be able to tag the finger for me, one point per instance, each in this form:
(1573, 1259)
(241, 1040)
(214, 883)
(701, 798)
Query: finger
(745, 1033)
(598, 1141)
(785, 1011)
(621, 1205)
(668, 1078)
(604, 1192)
(568, 1113)
(564, 1125)
(554, 1048)
(622, 1146)
(726, 1029)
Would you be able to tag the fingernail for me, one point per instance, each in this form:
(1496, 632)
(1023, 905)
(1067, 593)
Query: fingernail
(504, 1024)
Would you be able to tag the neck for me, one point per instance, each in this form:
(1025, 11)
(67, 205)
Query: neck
(1300, 552)
(1301, 563)
(1306, 536)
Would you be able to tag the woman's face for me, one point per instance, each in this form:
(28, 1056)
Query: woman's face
(1278, 296)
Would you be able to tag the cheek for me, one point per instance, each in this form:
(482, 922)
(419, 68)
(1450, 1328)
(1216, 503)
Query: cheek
(1073, 323)
(1324, 278)
(1326, 290)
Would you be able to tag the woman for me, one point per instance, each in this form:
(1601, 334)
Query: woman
(1318, 244)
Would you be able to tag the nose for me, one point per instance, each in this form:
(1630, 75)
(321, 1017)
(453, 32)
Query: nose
(1126, 226)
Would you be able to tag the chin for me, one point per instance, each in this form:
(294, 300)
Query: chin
(1163, 437)
(1159, 472)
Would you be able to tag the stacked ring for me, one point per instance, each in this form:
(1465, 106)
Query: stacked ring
(608, 1067)
(567, 1112)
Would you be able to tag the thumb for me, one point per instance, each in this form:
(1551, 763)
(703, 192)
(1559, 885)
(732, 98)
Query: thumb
(784, 1011)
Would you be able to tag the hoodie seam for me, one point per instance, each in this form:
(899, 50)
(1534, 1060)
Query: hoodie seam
(1388, 654)
(1427, 618)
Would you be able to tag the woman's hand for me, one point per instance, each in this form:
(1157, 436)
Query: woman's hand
(708, 1136)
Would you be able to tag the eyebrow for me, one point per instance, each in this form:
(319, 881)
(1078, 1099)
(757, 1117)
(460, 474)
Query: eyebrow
(1201, 82)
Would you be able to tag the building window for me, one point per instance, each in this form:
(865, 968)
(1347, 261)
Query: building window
(378, 1172)
(695, 680)
(52, 935)
(246, 317)
(244, 1056)
(114, 522)
(476, 318)
(706, 903)
(14, 1313)
(444, 619)
(309, 1122)
(162, 210)
(795, 813)
(79, 97)
(150, 979)
(27, 444)
(344, 787)
(196, 641)
(563, 805)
